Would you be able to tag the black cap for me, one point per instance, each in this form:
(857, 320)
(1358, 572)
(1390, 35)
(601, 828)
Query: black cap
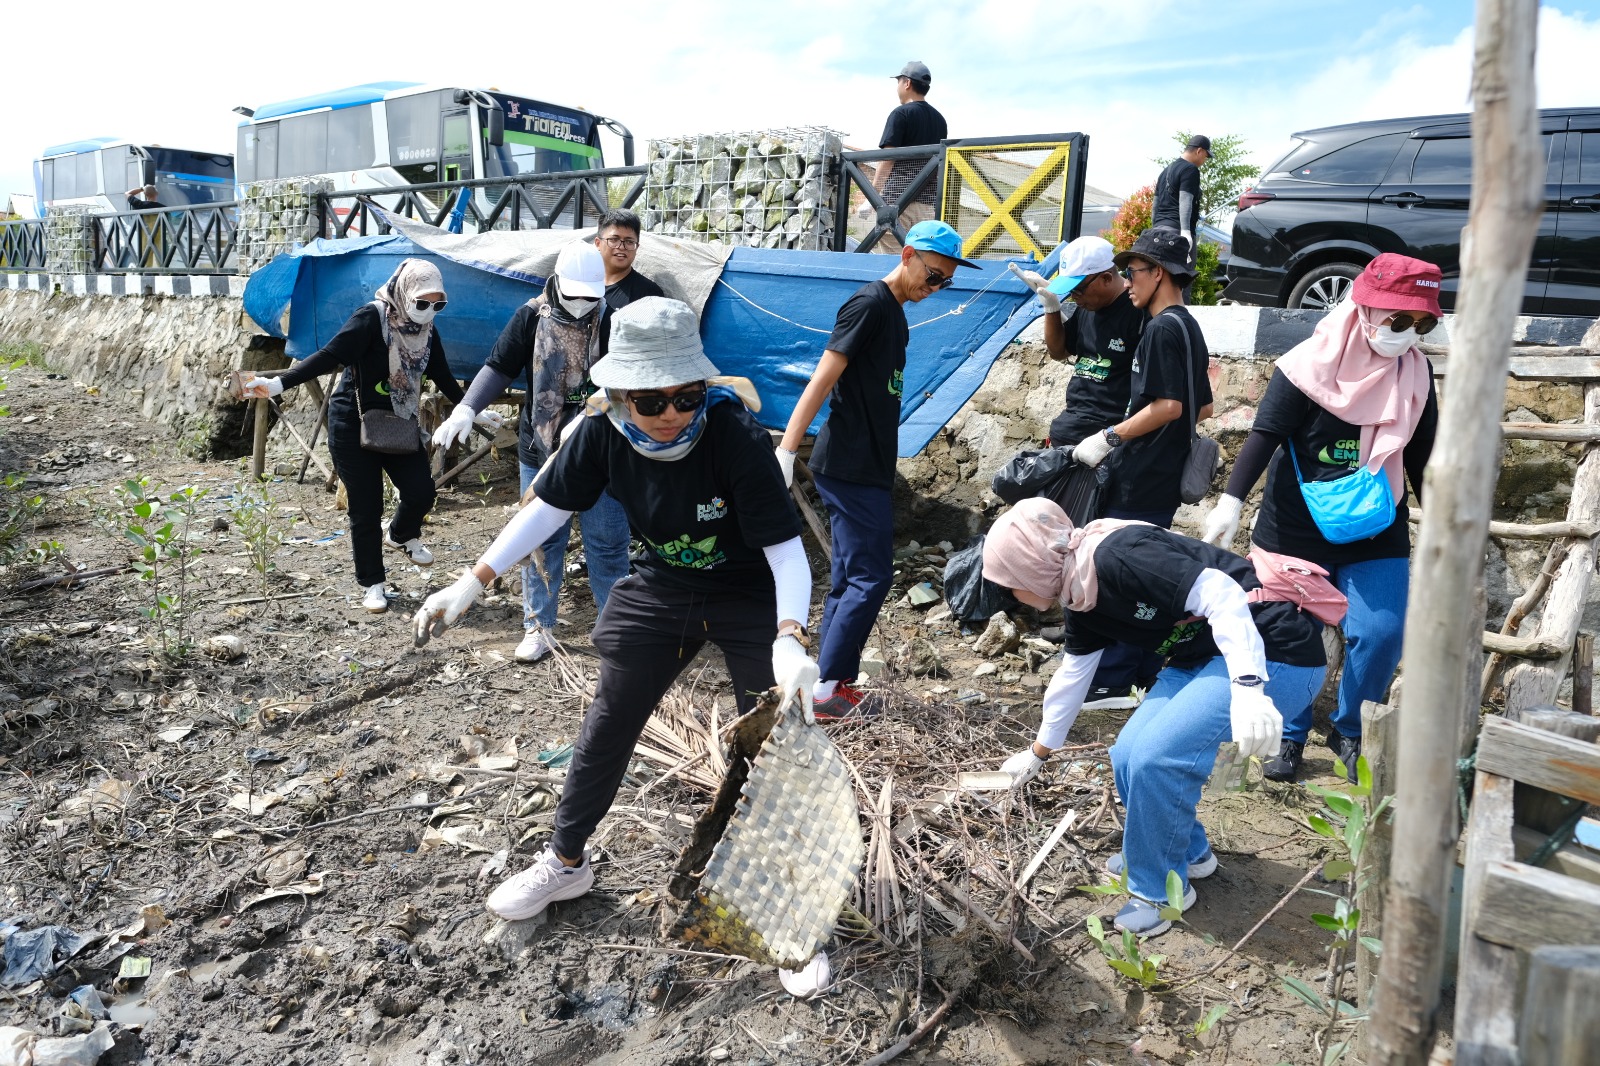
(916, 70)
(1166, 248)
(1199, 140)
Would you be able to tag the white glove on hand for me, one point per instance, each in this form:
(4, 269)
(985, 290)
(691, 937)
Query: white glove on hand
(795, 672)
(1041, 288)
(489, 420)
(1222, 522)
(1189, 237)
(256, 388)
(444, 607)
(455, 429)
(1091, 451)
(1257, 725)
(786, 460)
(1023, 767)
(814, 977)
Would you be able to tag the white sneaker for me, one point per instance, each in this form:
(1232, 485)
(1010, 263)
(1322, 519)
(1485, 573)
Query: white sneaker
(375, 598)
(549, 879)
(415, 550)
(535, 646)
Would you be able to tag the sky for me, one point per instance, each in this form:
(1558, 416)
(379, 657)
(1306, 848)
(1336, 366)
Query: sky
(1126, 74)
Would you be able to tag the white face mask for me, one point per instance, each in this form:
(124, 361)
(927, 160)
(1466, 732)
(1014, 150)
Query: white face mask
(1385, 341)
(577, 306)
(421, 318)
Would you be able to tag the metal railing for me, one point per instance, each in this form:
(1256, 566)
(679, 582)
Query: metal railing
(534, 201)
(885, 219)
(22, 244)
(198, 239)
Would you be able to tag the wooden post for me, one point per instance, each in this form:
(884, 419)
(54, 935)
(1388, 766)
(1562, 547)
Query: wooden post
(1441, 634)
(1583, 674)
(258, 447)
(1378, 729)
(321, 398)
(1560, 1026)
(1486, 989)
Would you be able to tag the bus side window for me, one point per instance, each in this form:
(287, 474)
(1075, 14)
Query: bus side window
(86, 174)
(414, 136)
(47, 181)
(350, 140)
(303, 145)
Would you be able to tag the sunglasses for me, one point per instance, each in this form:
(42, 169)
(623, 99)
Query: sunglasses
(1091, 280)
(626, 243)
(652, 404)
(1405, 320)
(936, 280)
(437, 305)
(1129, 272)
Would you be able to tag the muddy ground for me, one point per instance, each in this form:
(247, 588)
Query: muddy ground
(300, 839)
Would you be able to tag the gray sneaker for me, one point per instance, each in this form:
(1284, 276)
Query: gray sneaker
(1199, 870)
(548, 880)
(1143, 918)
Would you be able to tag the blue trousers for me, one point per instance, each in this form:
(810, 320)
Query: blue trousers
(605, 547)
(861, 521)
(1164, 754)
(1378, 591)
(1121, 665)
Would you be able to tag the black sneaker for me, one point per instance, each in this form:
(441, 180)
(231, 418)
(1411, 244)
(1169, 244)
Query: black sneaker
(1347, 750)
(1286, 767)
(1102, 698)
(1054, 634)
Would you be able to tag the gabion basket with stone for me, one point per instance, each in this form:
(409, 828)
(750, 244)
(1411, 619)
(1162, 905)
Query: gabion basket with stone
(774, 189)
(774, 858)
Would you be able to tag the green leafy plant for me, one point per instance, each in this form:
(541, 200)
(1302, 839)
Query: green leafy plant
(1131, 219)
(158, 527)
(1212, 1017)
(1126, 955)
(19, 509)
(264, 529)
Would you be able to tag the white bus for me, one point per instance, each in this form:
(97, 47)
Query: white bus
(403, 133)
(99, 172)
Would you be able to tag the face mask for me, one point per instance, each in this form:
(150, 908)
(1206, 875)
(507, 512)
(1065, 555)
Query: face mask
(421, 318)
(1385, 341)
(577, 306)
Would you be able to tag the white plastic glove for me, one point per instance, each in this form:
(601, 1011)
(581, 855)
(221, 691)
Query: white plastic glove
(1257, 725)
(489, 420)
(812, 978)
(1041, 288)
(1091, 451)
(786, 460)
(1189, 237)
(455, 429)
(257, 388)
(444, 607)
(1222, 521)
(795, 672)
(1023, 767)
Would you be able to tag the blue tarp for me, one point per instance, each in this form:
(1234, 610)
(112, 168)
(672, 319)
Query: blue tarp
(767, 318)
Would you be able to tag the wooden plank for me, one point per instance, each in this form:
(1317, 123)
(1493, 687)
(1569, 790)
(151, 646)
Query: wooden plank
(1552, 364)
(1522, 647)
(1583, 674)
(1563, 432)
(1379, 728)
(1535, 757)
(1486, 979)
(1560, 1026)
(1571, 861)
(1527, 907)
(1539, 809)
(1585, 530)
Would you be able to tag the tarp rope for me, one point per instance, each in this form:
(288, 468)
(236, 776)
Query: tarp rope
(958, 309)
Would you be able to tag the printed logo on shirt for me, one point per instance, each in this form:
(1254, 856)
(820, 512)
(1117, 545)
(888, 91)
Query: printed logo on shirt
(1116, 344)
(690, 553)
(710, 512)
(897, 383)
(1144, 612)
(1182, 633)
(381, 388)
(1094, 367)
(1347, 452)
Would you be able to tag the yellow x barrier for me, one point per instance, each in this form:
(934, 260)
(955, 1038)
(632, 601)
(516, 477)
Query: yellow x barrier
(998, 190)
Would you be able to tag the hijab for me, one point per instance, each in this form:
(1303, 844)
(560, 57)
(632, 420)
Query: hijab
(408, 340)
(1034, 546)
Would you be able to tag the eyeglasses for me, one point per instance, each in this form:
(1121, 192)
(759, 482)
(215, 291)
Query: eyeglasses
(1404, 321)
(936, 280)
(627, 244)
(1086, 282)
(653, 404)
(437, 305)
(1129, 272)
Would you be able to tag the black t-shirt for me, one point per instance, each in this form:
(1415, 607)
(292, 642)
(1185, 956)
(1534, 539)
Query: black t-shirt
(704, 518)
(633, 287)
(1146, 470)
(859, 440)
(512, 356)
(1097, 396)
(1145, 575)
(909, 125)
(1328, 448)
(360, 347)
(136, 204)
(1180, 176)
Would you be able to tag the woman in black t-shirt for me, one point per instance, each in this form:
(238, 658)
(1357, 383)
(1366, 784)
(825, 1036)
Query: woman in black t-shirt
(385, 349)
(1231, 660)
(1358, 394)
(723, 563)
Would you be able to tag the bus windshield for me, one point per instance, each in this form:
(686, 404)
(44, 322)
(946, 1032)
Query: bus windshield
(542, 139)
(184, 178)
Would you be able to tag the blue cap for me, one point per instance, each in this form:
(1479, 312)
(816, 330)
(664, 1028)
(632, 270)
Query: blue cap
(939, 238)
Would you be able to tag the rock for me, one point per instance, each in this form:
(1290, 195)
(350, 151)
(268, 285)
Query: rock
(940, 613)
(986, 670)
(922, 595)
(872, 663)
(225, 647)
(999, 637)
(919, 659)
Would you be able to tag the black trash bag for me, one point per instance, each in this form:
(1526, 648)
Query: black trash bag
(971, 596)
(1053, 474)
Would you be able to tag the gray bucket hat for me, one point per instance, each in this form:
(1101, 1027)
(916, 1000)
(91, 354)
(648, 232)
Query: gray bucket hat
(655, 344)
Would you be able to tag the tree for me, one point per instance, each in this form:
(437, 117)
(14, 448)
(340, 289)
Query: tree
(1223, 177)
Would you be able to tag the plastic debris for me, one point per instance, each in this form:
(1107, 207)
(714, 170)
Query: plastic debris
(134, 968)
(35, 953)
(311, 886)
(556, 757)
(82, 1050)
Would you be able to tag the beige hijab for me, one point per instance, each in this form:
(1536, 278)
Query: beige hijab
(1035, 547)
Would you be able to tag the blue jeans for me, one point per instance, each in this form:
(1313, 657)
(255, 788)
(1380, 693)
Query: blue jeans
(605, 546)
(1378, 591)
(861, 519)
(1165, 753)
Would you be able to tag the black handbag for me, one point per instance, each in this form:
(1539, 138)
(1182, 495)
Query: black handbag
(385, 432)
(1205, 454)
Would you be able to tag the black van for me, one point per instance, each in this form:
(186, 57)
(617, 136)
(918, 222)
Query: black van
(1343, 194)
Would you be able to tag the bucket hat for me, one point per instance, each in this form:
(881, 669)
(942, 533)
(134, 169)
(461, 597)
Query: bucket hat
(1166, 248)
(1394, 282)
(655, 344)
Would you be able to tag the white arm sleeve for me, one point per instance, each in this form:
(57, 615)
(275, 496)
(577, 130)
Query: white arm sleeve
(1064, 698)
(528, 528)
(1219, 599)
(791, 577)
(1185, 208)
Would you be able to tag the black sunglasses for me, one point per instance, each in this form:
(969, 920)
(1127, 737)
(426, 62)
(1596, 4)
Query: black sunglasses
(437, 305)
(1405, 320)
(1129, 272)
(652, 404)
(936, 280)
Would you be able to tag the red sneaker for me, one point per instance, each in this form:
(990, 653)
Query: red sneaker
(847, 704)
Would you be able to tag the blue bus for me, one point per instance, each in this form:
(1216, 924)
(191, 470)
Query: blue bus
(98, 173)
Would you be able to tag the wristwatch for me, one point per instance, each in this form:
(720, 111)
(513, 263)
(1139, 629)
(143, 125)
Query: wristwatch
(798, 632)
(1250, 681)
(1111, 436)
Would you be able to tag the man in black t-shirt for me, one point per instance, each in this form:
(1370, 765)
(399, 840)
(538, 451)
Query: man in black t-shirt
(1177, 198)
(915, 122)
(861, 374)
(143, 198)
(618, 240)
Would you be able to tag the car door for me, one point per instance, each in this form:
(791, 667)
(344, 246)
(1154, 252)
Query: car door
(1575, 268)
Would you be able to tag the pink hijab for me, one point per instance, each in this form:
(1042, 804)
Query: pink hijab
(1338, 370)
(1034, 546)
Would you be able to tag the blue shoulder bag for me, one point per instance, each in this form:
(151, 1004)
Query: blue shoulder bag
(1355, 507)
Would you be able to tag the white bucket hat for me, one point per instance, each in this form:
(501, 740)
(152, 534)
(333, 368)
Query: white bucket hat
(655, 344)
(581, 270)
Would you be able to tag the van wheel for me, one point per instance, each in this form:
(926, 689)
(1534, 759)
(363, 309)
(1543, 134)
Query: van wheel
(1323, 286)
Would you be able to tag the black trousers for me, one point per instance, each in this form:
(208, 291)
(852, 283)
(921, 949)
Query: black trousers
(362, 473)
(647, 633)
